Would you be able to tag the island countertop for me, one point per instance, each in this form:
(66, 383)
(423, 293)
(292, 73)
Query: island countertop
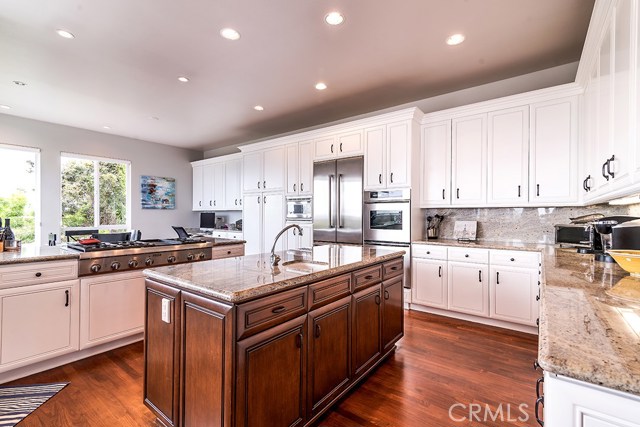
(244, 278)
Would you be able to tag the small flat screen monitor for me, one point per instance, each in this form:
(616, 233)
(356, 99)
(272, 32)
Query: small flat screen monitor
(207, 220)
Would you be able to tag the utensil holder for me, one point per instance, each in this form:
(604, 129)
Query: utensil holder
(432, 233)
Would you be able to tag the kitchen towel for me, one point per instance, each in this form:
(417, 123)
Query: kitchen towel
(16, 402)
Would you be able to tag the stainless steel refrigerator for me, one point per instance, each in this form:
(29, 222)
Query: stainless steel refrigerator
(337, 201)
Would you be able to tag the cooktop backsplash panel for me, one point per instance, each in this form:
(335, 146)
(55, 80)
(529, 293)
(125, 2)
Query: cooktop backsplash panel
(530, 225)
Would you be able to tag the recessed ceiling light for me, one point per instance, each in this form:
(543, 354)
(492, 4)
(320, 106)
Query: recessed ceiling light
(65, 34)
(334, 18)
(321, 86)
(19, 83)
(230, 34)
(455, 39)
(258, 108)
(5, 107)
(106, 127)
(183, 79)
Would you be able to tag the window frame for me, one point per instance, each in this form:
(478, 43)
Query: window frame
(96, 192)
(37, 221)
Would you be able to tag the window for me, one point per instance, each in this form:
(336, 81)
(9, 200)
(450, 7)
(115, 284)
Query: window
(95, 193)
(19, 190)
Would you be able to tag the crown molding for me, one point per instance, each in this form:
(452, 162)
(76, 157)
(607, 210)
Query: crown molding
(219, 159)
(601, 11)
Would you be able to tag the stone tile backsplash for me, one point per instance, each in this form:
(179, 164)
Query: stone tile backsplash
(531, 225)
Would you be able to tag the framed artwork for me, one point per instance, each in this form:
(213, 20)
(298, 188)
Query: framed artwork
(465, 230)
(157, 192)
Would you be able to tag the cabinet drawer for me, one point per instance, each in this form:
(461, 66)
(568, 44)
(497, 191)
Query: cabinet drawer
(227, 251)
(476, 255)
(367, 276)
(392, 268)
(429, 251)
(37, 272)
(329, 290)
(256, 316)
(515, 258)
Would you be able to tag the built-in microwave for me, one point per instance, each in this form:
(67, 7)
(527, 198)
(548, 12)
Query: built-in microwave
(299, 209)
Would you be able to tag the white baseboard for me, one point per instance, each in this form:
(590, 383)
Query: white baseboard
(66, 358)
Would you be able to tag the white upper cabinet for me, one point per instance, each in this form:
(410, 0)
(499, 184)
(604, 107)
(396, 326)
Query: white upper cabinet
(435, 164)
(375, 167)
(218, 185)
(198, 190)
(388, 156)
(553, 169)
(469, 160)
(341, 145)
(208, 187)
(299, 172)
(264, 170)
(508, 157)
(233, 184)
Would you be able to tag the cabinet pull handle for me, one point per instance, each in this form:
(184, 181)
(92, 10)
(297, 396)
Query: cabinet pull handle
(318, 330)
(443, 194)
(538, 297)
(588, 182)
(236, 202)
(38, 274)
(302, 186)
(457, 193)
(519, 191)
(380, 179)
(538, 383)
(258, 199)
(512, 259)
(394, 268)
(294, 187)
(536, 365)
(391, 177)
(264, 184)
(538, 322)
(480, 276)
(258, 184)
(497, 277)
(331, 148)
(264, 200)
(378, 299)
(538, 190)
(294, 231)
(386, 294)
(604, 165)
(439, 271)
(209, 202)
(612, 174)
(66, 298)
(539, 401)
(240, 202)
(368, 277)
(341, 147)
(214, 203)
(278, 309)
(299, 340)
(199, 202)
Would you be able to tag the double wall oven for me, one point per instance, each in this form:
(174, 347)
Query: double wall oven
(387, 222)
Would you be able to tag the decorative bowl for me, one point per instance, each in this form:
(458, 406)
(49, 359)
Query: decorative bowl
(629, 260)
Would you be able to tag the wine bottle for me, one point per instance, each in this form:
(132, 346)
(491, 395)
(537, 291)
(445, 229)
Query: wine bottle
(9, 237)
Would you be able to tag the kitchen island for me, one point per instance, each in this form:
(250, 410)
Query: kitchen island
(238, 342)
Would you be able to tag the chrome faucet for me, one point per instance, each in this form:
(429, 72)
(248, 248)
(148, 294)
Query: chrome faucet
(275, 259)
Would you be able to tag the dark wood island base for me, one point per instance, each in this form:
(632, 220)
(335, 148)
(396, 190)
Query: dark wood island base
(278, 360)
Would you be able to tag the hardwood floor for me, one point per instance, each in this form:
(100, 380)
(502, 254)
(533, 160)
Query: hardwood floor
(439, 363)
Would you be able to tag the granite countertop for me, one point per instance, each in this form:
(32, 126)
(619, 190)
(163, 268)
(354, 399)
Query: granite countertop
(248, 277)
(219, 241)
(33, 253)
(513, 245)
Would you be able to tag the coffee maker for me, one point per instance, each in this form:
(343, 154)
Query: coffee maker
(604, 228)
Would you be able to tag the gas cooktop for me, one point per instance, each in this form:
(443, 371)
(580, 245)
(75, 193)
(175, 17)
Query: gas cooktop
(109, 246)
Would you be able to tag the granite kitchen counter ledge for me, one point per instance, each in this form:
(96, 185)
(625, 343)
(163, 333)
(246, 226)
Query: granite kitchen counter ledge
(244, 278)
(512, 245)
(33, 253)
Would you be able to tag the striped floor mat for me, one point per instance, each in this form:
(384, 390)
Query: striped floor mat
(16, 402)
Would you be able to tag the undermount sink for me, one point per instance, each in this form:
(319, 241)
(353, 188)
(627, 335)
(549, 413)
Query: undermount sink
(300, 266)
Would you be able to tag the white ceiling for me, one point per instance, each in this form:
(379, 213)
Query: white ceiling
(121, 69)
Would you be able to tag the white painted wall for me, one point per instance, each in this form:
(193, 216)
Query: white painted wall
(146, 158)
(525, 83)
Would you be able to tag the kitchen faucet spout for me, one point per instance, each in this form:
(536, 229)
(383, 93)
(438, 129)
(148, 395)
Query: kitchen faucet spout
(275, 259)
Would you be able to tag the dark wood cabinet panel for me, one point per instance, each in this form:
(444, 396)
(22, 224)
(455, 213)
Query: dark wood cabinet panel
(392, 268)
(392, 312)
(329, 365)
(162, 353)
(367, 277)
(207, 363)
(366, 329)
(329, 290)
(272, 377)
(264, 313)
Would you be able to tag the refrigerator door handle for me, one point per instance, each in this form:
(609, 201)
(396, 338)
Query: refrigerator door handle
(331, 178)
(340, 223)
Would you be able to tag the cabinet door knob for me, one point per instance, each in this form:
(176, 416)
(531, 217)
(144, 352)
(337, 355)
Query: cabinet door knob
(38, 274)
(466, 255)
(513, 259)
(428, 252)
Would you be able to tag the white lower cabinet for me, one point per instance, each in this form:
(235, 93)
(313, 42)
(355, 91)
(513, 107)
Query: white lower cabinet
(112, 307)
(468, 288)
(38, 322)
(513, 294)
(569, 402)
(429, 279)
